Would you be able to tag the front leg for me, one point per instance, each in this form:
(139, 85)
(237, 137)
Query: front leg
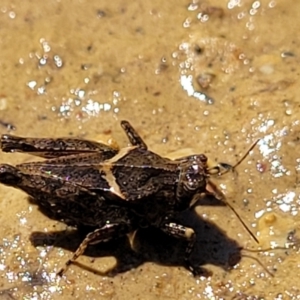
(181, 232)
(212, 189)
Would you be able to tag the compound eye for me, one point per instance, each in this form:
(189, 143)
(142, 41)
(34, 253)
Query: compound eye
(195, 176)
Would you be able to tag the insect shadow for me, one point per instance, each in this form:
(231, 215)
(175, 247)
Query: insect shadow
(152, 245)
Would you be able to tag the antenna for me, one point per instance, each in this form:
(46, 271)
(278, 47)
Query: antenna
(223, 168)
(243, 223)
(286, 247)
(213, 190)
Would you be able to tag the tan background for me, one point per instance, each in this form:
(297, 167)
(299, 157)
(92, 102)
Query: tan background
(76, 68)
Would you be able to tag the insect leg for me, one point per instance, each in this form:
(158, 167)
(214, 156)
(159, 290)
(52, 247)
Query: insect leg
(212, 189)
(181, 232)
(52, 147)
(103, 234)
(133, 136)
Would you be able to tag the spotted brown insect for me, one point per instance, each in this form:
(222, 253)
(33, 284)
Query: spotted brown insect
(111, 192)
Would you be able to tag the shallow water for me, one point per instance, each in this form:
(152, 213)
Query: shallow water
(204, 76)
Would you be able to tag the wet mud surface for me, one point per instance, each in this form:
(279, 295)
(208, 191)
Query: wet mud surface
(192, 77)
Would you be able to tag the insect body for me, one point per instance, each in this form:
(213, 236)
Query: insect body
(112, 192)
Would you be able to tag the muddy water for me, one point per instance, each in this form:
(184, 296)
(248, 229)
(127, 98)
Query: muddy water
(202, 76)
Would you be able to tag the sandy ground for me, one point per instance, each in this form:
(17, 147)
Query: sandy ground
(192, 77)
